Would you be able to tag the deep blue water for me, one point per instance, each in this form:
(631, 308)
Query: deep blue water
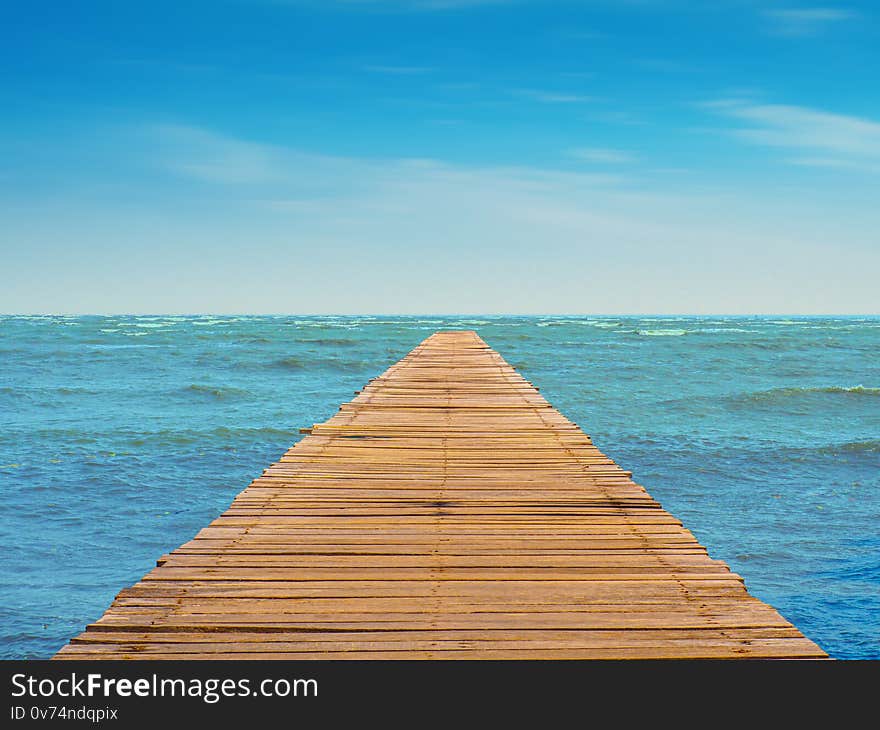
(120, 437)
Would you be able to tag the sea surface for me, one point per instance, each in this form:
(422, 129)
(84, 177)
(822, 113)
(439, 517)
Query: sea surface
(122, 436)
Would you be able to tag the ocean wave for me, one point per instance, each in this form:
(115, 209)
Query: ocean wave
(290, 363)
(217, 391)
(661, 333)
(101, 348)
(126, 441)
(871, 446)
(858, 389)
(65, 390)
(782, 393)
(776, 344)
(326, 325)
(322, 363)
(231, 337)
(210, 322)
(214, 435)
(334, 341)
(251, 339)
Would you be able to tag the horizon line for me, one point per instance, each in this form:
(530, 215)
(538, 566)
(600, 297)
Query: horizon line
(439, 314)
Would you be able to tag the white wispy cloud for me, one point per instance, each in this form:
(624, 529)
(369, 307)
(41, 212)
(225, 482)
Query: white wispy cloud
(602, 155)
(242, 169)
(823, 138)
(615, 118)
(210, 157)
(800, 22)
(251, 226)
(836, 164)
(555, 97)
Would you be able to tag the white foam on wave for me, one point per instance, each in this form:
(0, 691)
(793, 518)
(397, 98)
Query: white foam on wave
(662, 333)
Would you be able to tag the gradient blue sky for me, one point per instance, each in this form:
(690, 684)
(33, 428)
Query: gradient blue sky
(491, 156)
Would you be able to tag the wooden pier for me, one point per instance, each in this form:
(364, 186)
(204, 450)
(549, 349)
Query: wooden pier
(447, 512)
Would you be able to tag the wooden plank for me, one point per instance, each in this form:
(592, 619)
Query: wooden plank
(448, 511)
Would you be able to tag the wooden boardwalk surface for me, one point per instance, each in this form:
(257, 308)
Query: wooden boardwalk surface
(448, 511)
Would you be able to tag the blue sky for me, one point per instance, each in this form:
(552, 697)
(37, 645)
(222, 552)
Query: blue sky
(523, 156)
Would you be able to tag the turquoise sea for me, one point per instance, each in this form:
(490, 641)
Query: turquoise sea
(121, 436)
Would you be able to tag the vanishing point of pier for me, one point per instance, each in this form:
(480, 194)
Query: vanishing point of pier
(447, 512)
